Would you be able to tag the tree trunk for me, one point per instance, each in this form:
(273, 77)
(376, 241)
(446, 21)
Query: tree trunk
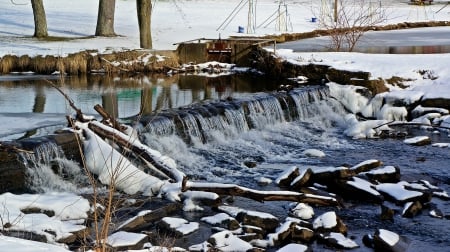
(105, 18)
(40, 21)
(144, 13)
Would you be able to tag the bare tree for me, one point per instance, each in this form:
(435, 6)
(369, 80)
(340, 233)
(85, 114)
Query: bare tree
(105, 18)
(40, 20)
(348, 20)
(144, 13)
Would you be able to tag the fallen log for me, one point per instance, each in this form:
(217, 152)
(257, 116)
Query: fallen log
(137, 149)
(261, 196)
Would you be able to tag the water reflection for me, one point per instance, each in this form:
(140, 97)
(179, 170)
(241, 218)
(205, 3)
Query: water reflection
(428, 49)
(121, 95)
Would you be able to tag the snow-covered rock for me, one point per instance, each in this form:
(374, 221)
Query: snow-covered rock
(385, 240)
(418, 141)
(178, 226)
(302, 211)
(329, 222)
(228, 242)
(338, 240)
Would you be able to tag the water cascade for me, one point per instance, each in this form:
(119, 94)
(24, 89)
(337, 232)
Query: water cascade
(196, 122)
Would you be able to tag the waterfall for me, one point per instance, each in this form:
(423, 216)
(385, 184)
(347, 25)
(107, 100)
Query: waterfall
(49, 170)
(198, 122)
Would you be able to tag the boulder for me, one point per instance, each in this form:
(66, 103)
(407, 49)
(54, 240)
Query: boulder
(227, 241)
(411, 209)
(302, 211)
(387, 174)
(301, 234)
(301, 180)
(326, 175)
(294, 247)
(123, 241)
(385, 240)
(337, 240)
(222, 220)
(263, 220)
(366, 166)
(418, 141)
(399, 194)
(329, 222)
(286, 177)
(357, 188)
(177, 226)
(387, 213)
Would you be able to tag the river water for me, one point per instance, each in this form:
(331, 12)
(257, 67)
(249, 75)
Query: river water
(217, 152)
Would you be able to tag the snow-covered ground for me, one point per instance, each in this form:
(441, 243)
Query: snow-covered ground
(176, 21)
(173, 21)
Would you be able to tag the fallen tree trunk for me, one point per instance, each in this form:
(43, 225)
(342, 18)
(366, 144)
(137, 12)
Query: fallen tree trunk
(135, 148)
(261, 196)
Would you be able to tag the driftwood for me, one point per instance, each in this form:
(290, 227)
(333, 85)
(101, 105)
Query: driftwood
(261, 196)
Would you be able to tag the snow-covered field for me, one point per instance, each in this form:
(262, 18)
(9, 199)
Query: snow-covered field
(176, 21)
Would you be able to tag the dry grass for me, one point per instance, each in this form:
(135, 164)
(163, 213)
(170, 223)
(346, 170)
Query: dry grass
(132, 61)
(7, 64)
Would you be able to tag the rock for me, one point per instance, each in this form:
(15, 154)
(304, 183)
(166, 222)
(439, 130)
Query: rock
(313, 153)
(265, 221)
(337, 240)
(227, 241)
(385, 240)
(262, 181)
(285, 179)
(435, 212)
(302, 234)
(222, 220)
(177, 226)
(420, 111)
(293, 247)
(436, 102)
(283, 233)
(366, 166)
(253, 230)
(148, 217)
(368, 240)
(357, 188)
(387, 174)
(326, 175)
(302, 211)
(398, 193)
(411, 209)
(329, 222)
(250, 163)
(204, 246)
(301, 180)
(387, 213)
(418, 141)
(122, 241)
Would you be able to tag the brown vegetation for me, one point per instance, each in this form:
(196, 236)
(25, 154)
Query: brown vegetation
(144, 61)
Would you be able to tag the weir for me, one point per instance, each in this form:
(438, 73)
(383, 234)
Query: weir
(196, 122)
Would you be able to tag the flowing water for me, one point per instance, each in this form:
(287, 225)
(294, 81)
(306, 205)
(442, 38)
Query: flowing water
(213, 127)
